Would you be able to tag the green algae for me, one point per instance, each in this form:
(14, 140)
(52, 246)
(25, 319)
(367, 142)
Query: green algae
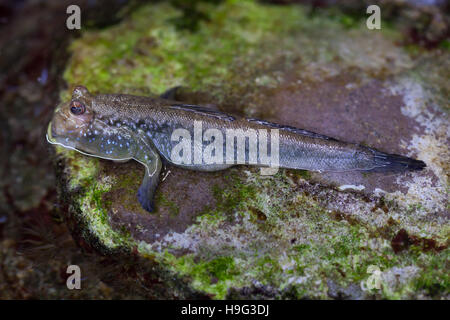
(88, 190)
(435, 280)
(153, 55)
(162, 200)
(228, 200)
(445, 44)
(227, 55)
(214, 276)
(95, 214)
(328, 249)
(85, 168)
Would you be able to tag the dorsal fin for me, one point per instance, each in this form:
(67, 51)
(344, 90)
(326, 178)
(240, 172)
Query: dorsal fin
(291, 129)
(204, 111)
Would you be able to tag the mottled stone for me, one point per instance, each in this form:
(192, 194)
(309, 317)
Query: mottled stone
(295, 234)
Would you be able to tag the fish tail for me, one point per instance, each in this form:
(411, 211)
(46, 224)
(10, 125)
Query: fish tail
(394, 162)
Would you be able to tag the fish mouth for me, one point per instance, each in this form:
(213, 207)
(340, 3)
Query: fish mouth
(49, 134)
(52, 140)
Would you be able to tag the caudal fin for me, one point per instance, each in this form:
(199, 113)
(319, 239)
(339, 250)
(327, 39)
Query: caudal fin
(395, 162)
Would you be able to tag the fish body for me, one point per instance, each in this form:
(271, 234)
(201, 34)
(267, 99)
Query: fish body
(122, 127)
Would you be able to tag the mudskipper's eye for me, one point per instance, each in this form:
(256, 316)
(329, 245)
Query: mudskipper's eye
(77, 108)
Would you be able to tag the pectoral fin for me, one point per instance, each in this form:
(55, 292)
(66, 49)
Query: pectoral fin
(146, 192)
(148, 156)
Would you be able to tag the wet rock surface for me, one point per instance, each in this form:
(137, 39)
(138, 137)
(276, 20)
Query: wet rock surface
(236, 233)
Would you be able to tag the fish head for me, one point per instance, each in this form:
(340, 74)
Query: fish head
(76, 125)
(73, 118)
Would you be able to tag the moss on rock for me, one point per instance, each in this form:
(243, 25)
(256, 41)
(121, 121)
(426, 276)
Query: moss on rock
(291, 233)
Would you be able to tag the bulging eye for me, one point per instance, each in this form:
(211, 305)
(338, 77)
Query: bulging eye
(77, 108)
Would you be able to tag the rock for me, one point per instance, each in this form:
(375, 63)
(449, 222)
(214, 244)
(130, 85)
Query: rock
(295, 234)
